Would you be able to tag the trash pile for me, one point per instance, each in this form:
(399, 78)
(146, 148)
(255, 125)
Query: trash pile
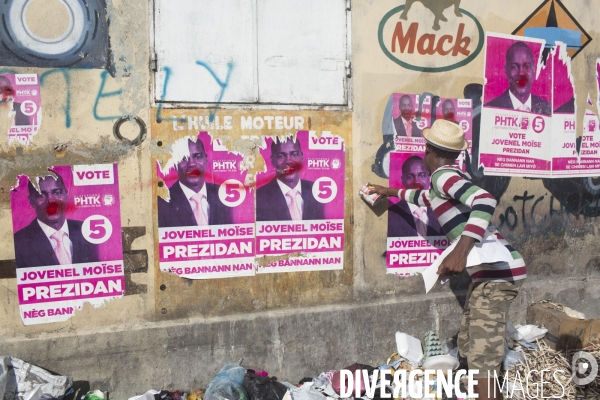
(234, 382)
(528, 361)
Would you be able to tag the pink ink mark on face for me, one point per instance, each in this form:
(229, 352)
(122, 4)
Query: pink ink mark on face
(522, 81)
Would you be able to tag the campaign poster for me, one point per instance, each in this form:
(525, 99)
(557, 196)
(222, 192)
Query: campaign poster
(415, 238)
(568, 159)
(300, 203)
(407, 122)
(68, 245)
(589, 161)
(565, 156)
(516, 117)
(459, 111)
(20, 102)
(206, 222)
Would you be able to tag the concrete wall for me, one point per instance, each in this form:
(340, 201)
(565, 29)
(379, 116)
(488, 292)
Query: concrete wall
(295, 324)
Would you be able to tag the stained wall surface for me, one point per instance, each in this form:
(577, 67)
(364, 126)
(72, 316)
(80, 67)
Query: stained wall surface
(170, 332)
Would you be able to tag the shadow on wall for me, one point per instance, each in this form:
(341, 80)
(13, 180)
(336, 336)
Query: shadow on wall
(76, 38)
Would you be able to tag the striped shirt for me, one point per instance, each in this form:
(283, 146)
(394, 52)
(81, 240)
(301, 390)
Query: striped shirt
(463, 208)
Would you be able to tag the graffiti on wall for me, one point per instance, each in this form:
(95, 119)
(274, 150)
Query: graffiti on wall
(223, 84)
(406, 39)
(76, 38)
(101, 96)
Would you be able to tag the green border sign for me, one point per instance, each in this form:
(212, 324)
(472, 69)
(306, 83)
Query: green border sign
(430, 69)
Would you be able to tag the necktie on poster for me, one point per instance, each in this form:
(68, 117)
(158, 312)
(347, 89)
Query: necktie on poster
(199, 214)
(293, 206)
(421, 221)
(62, 254)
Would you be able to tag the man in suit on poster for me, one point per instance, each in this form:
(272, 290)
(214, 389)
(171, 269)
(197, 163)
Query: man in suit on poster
(449, 111)
(287, 197)
(51, 238)
(405, 124)
(407, 220)
(192, 200)
(520, 70)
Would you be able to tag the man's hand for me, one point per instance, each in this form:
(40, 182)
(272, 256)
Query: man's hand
(383, 191)
(456, 261)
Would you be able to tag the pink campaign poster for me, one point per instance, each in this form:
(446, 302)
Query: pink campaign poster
(589, 161)
(516, 116)
(415, 237)
(566, 161)
(68, 246)
(206, 225)
(300, 202)
(408, 122)
(20, 101)
(459, 111)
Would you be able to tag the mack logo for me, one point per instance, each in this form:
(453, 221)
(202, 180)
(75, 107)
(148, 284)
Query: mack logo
(414, 45)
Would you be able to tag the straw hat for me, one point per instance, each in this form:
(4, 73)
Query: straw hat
(445, 135)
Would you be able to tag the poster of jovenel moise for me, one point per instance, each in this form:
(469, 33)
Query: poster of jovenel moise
(300, 202)
(206, 222)
(67, 236)
(20, 102)
(517, 108)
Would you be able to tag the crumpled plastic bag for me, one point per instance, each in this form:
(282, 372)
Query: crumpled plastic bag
(572, 313)
(306, 392)
(512, 358)
(149, 395)
(264, 387)
(228, 384)
(531, 333)
(23, 381)
(524, 334)
(95, 395)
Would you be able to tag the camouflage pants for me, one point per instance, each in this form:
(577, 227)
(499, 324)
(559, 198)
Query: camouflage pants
(482, 331)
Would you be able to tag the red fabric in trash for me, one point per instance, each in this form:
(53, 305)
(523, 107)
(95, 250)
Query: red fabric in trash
(336, 380)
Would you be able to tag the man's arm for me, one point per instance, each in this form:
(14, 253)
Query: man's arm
(417, 197)
(451, 185)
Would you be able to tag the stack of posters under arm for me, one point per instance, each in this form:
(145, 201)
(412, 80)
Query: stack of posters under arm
(415, 237)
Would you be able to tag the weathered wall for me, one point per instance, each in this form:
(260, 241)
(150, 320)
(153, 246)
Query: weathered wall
(80, 108)
(529, 213)
(291, 324)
